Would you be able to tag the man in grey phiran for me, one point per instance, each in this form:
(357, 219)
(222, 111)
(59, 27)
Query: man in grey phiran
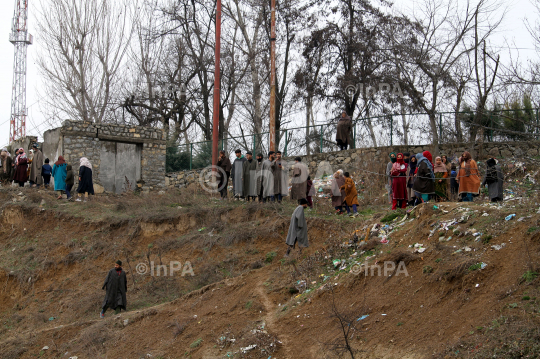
(298, 228)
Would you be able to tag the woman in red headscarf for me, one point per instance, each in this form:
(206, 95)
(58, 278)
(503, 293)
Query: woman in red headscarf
(399, 182)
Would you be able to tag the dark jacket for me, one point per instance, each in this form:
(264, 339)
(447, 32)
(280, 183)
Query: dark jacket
(85, 180)
(70, 179)
(116, 287)
(344, 128)
(46, 170)
(21, 173)
(423, 183)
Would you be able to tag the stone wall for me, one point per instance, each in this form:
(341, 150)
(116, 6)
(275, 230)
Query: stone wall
(375, 159)
(76, 139)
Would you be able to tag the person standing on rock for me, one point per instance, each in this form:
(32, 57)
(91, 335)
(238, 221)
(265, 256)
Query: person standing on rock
(86, 185)
(468, 178)
(299, 180)
(494, 179)
(249, 177)
(59, 173)
(343, 133)
(37, 164)
(225, 164)
(298, 228)
(116, 288)
(236, 175)
(281, 178)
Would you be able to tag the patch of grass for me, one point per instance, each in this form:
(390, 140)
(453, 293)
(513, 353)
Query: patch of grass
(270, 257)
(486, 238)
(512, 305)
(427, 269)
(526, 297)
(475, 267)
(438, 260)
(529, 276)
(249, 304)
(196, 343)
(390, 217)
(532, 230)
(399, 324)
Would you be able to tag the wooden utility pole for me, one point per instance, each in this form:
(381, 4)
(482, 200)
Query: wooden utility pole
(215, 130)
(273, 76)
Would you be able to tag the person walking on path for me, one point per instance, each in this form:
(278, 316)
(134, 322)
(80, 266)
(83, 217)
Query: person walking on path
(281, 178)
(116, 287)
(468, 178)
(249, 177)
(86, 185)
(343, 134)
(423, 183)
(399, 183)
(70, 181)
(236, 175)
(36, 179)
(351, 195)
(338, 194)
(298, 228)
(299, 180)
(46, 172)
(225, 164)
(389, 165)
(21, 171)
(59, 173)
(494, 179)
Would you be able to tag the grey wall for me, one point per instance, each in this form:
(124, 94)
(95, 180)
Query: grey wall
(118, 161)
(52, 145)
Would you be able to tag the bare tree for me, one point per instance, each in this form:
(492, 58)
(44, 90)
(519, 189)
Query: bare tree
(85, 46)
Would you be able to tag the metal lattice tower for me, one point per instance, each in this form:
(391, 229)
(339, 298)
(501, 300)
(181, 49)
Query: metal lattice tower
(21, 39)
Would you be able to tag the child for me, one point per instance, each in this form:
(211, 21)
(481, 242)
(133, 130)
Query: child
(70, 181)
(454, 185)
(46, 171)
(350, 195)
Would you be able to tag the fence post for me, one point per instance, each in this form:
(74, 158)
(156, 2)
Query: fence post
(321, 138)
(354, 136)
(286, 143)
(491, 126)
(391, 130)
(440, 127)
(190, 156)
(254, 145)
(537, 124)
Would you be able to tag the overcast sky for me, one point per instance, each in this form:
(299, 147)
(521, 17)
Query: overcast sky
(513, 31)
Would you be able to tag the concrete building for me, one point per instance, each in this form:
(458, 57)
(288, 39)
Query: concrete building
(121, 156)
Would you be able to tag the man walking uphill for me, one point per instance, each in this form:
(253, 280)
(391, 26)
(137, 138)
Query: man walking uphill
(298, 228)
(116, 287)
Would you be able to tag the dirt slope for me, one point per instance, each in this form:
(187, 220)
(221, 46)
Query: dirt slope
(247, 300)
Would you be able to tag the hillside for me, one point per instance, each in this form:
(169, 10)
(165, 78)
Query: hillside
(471, 289)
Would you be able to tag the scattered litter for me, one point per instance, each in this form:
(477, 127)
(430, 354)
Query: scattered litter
(51, 319)
(483, 265)
(202, 229)
(485, 215)
(510, 216)
(478, 285)
(498, 247)
(362, 317)
(126, 321)
(45, 348)
(435, 207)
(384, 240)
(248, 348)
(467, 249)
(383, 314)
(336, 262)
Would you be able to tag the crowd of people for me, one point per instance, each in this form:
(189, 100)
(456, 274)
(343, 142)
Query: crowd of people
(415, 178)
(33, 169)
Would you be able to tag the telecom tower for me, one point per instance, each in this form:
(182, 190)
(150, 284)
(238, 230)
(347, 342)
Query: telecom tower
(21, 39)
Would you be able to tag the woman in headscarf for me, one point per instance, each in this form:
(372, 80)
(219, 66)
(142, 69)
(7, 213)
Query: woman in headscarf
(86, 185)
(399, 183)
(423, 184)
(410, 179)
(338, 194)
(446, 163)
(389, 165)
(59, 173)
(468, 178)
(7, 166)
(21, 173)
(494, 179)
(441, 185)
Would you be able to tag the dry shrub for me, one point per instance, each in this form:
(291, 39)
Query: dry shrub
(92, 339)
(455, 270)
(206, 274)
(178, 328)
(89, 303)
(15, 348)
(401, 255)
(33, 196)
(73, 257)
(256, 265)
